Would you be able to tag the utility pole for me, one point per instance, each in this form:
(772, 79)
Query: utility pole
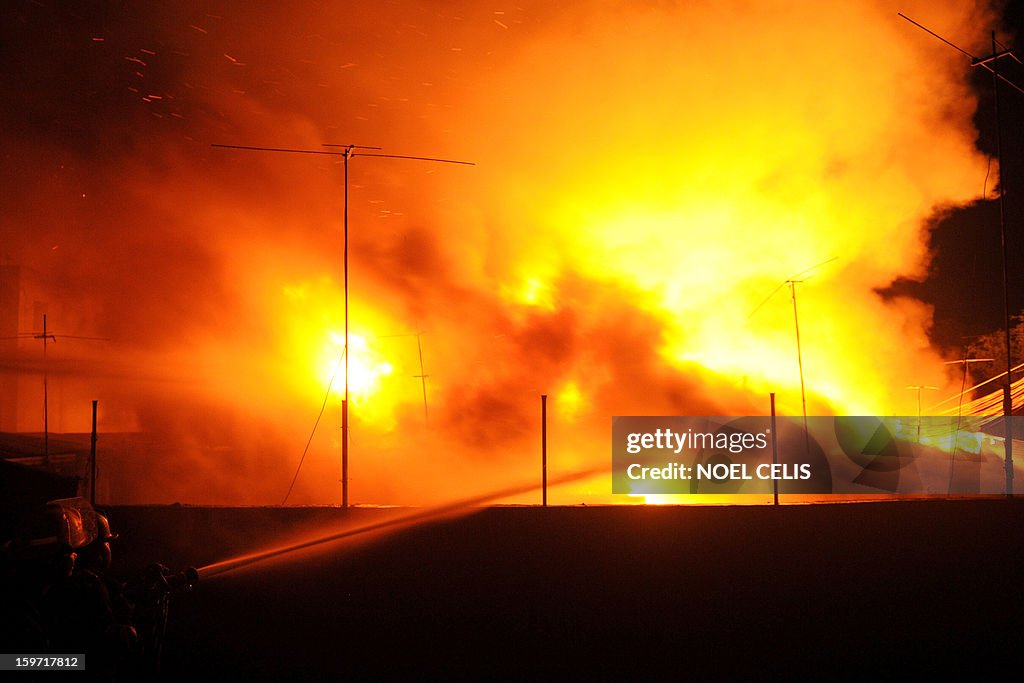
(991, 63)
(346, 153)
(1008, 387)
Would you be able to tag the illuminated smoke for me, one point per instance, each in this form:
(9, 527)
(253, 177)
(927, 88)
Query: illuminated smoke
(648, 173)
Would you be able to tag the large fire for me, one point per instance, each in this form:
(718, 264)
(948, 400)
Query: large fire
(648, 177)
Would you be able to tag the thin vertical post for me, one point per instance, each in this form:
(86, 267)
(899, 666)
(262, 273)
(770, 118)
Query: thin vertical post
(1008, 446)
(92, 457)
(46, 400)
(344, 402)
(423, 377)
(344, 454)
(1007, 390)
(919, 388)
(800, 365)
(544, 448)
(919, 413)
(775, 451)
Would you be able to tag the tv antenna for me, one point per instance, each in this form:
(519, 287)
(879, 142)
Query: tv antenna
(792, 281)
(991, 63)
(48, 337)
(346, 152)
(423, 374)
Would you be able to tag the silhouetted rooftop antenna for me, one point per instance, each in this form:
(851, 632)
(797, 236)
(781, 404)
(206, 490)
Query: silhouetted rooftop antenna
(786, 282)
(423, 374)
(800, 363)
(423, 377)
(991, 63)
(346, 153)
(46, 337)
(987, 62)
(793, 282)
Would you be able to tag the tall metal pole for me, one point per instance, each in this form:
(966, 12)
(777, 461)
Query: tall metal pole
(544, 448)
(46, 400)
(344, 454)
(775, 451)
(1007, 389)
(800, 365)
(348, 151)
(344, 402)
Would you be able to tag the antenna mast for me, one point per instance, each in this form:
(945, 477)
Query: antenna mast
(800, 363)
(347, 152)
(46, 394)
(793, 282)
(423, 376)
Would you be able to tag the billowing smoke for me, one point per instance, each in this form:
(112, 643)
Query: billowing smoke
(648, 175)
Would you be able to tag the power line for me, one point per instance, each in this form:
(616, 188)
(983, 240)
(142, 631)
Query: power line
(786, 281)
(965, 361)
(975, 61)
(992, 64)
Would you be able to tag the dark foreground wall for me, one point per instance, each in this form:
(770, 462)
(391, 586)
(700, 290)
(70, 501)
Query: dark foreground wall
(683, 593)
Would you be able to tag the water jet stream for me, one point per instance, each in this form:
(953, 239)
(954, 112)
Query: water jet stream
(404, 521)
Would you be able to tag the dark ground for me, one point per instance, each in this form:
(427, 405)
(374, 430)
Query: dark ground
(683, 593)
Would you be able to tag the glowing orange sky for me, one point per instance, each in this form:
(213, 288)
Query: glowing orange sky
(646, 176)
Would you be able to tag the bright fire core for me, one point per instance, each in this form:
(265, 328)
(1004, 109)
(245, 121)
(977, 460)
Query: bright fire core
(365, 370)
